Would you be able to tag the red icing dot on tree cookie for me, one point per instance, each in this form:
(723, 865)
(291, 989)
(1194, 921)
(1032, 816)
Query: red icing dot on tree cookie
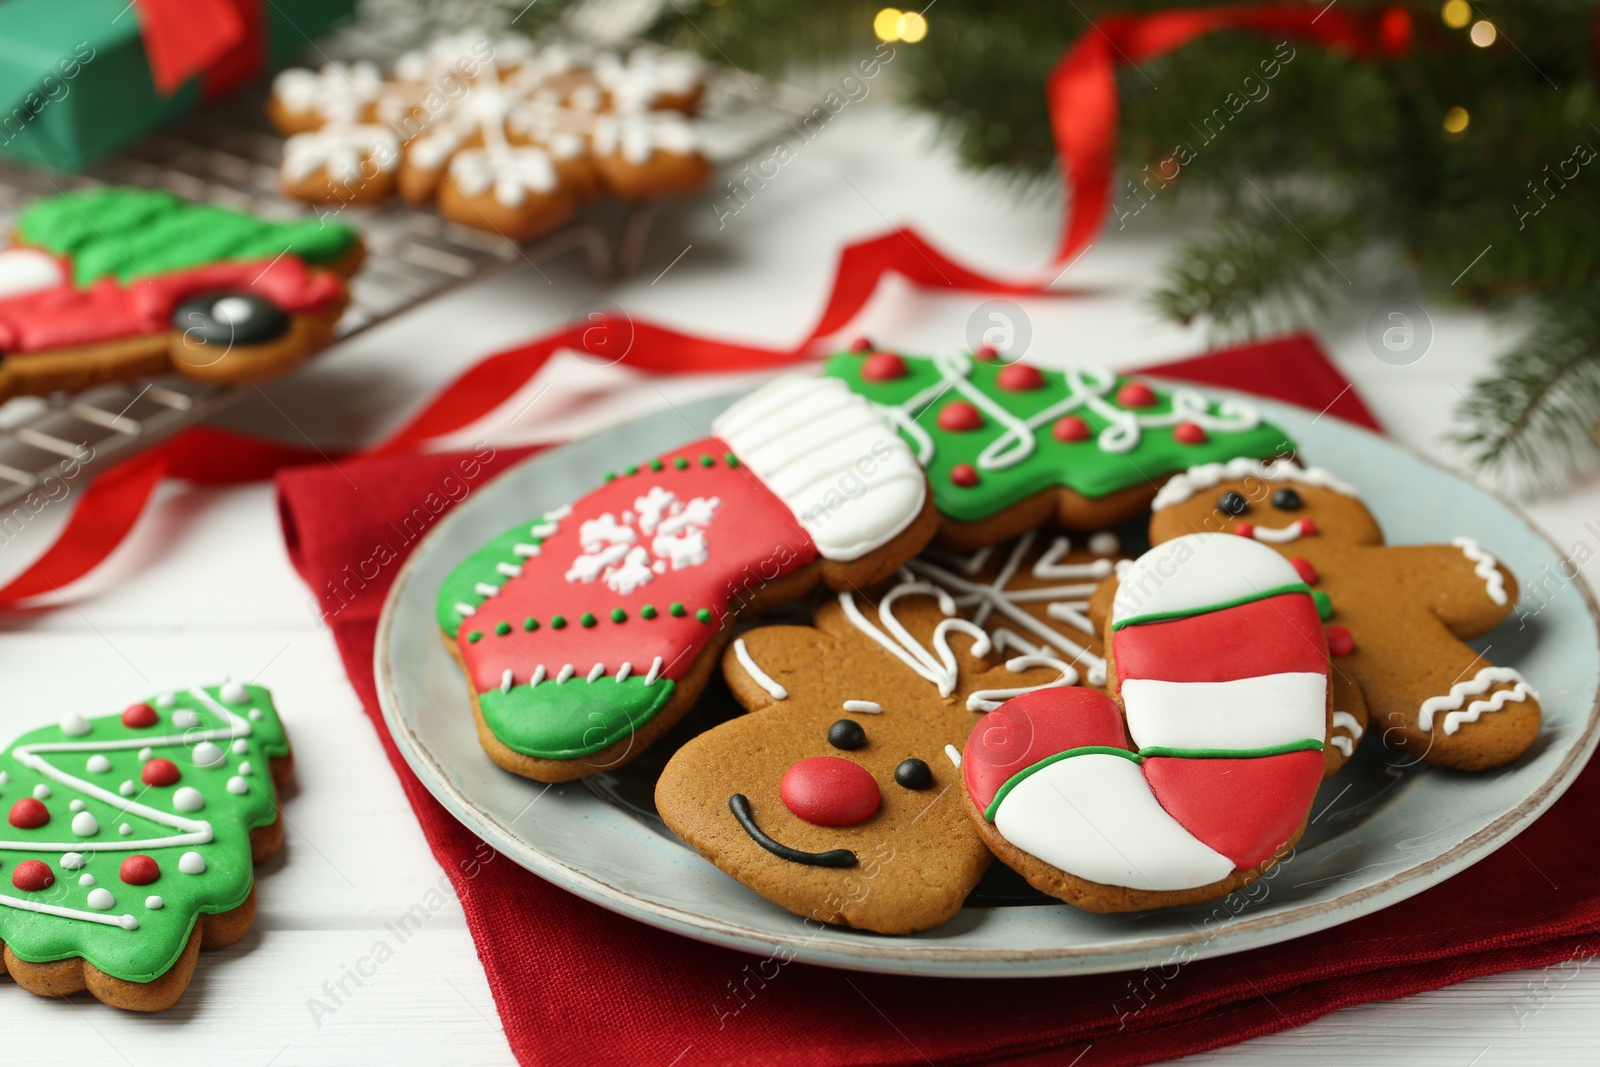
(883, 367)
(964, 475)
(1245, 529)
(1340, 642)
(861, 344)
(958, 416)
(1019, 378)
(140, 870)
(1070, 428)
(160, 772)
(1308, 528)
(986, 352)
(1136, 395)
(29, 814)
(139, 717)
(1304, 569)
(1189, 433)
(32, 876)
(829, 791)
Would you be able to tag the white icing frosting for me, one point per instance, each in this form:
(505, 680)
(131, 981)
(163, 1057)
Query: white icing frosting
(339, 92)
(637, 82)
(27, 270)
(1210, 475)
(85, 825)
(757, 675)
(188, 799)
(1346, 742)
(679, 541)
(340, 151)
(99, 765)
(1477, 685)
(954, 755)
(1068, 603)
(1095, 816)
(1197, 572)
(207, 754)
(101, 900)
(1487, 568)
(192, 863)
(1278, 535)
(849, 479)
(74, 725)
(637, 138)
(512, 172)
(863, 707)
(1247, 713)
(1085, 390)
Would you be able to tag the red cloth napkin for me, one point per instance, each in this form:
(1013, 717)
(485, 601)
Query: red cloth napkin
(578, 984)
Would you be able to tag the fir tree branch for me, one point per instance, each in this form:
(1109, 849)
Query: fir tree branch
(1540, 406)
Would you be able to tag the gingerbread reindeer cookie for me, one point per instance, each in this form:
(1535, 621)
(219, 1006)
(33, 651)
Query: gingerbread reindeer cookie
(1398, 615)
(587, 633)
(1204, 777)
(838, 796)
(1009, 446)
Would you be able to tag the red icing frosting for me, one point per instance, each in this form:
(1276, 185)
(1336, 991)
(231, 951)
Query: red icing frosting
(883, 367)
(985, 352)
(1340, 641)
(29, 814)
(1243, 808)
(1189, 433)
(140, 870)
(958, 416)
(751, 539)
(1278, 634)
(1303, 567)
(829, 791)
(1070, 428)
(861, 344)
(1019, 378)
(67, 316)
(964, 475)
(32, 876)
(160, 772)
(1136, 395)
(139, 717)
(1032, 727)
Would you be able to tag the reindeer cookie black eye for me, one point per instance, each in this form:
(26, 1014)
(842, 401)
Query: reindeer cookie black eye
(1287, 500)
(1231, 503)
(847, 734)
(913, 774)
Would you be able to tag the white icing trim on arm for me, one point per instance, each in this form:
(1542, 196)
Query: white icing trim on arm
(1477, 685)
(849, 479)
(757, 675)
(1210, 475)
(1343, 720)
(1487, 568)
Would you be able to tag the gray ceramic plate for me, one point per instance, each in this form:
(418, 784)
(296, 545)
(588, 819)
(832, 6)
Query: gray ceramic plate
(1383, 829)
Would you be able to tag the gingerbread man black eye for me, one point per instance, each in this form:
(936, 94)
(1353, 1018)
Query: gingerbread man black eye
(913, 774)
(1287, 500)
(847, 734)
(1231, 503)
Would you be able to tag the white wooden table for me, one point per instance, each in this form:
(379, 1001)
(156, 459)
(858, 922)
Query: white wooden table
(203, 589)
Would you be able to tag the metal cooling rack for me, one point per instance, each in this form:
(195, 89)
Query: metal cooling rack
(229, 155)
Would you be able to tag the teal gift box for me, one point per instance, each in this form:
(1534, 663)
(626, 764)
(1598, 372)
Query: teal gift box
(81, 79)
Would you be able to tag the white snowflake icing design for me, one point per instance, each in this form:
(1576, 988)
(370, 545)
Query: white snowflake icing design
(677, 529)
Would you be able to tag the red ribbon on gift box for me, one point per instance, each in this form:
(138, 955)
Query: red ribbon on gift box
(223, 40)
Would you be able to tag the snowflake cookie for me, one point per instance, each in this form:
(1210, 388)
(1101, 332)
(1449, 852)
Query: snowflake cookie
(499, 133)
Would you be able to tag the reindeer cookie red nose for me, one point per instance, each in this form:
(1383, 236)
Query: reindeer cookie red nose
(829, 791)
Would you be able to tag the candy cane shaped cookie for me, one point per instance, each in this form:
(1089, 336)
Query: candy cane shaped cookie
(1203, 778)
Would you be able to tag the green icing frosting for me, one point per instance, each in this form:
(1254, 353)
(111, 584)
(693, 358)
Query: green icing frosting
(1014, 465)
(128, 233)
(482, 567)
(136, 942)
(541, 720)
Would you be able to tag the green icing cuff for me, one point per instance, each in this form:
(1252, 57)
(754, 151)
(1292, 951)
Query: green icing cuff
(1016, 779)
(572, 719)
(1189, 613)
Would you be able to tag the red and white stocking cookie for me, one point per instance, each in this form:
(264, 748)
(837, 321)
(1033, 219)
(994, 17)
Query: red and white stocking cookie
(1398, 615)
(1204, 776)
(586, 634)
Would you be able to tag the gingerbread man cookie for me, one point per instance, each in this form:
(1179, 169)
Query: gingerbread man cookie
(837, 796)
(1202, 774)
(586, 634)
(130, 840)
(1010, 446)
(1398, 615)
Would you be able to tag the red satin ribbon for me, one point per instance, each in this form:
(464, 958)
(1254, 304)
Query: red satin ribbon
(222, 39)
(111, 505)
(1082, 89)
